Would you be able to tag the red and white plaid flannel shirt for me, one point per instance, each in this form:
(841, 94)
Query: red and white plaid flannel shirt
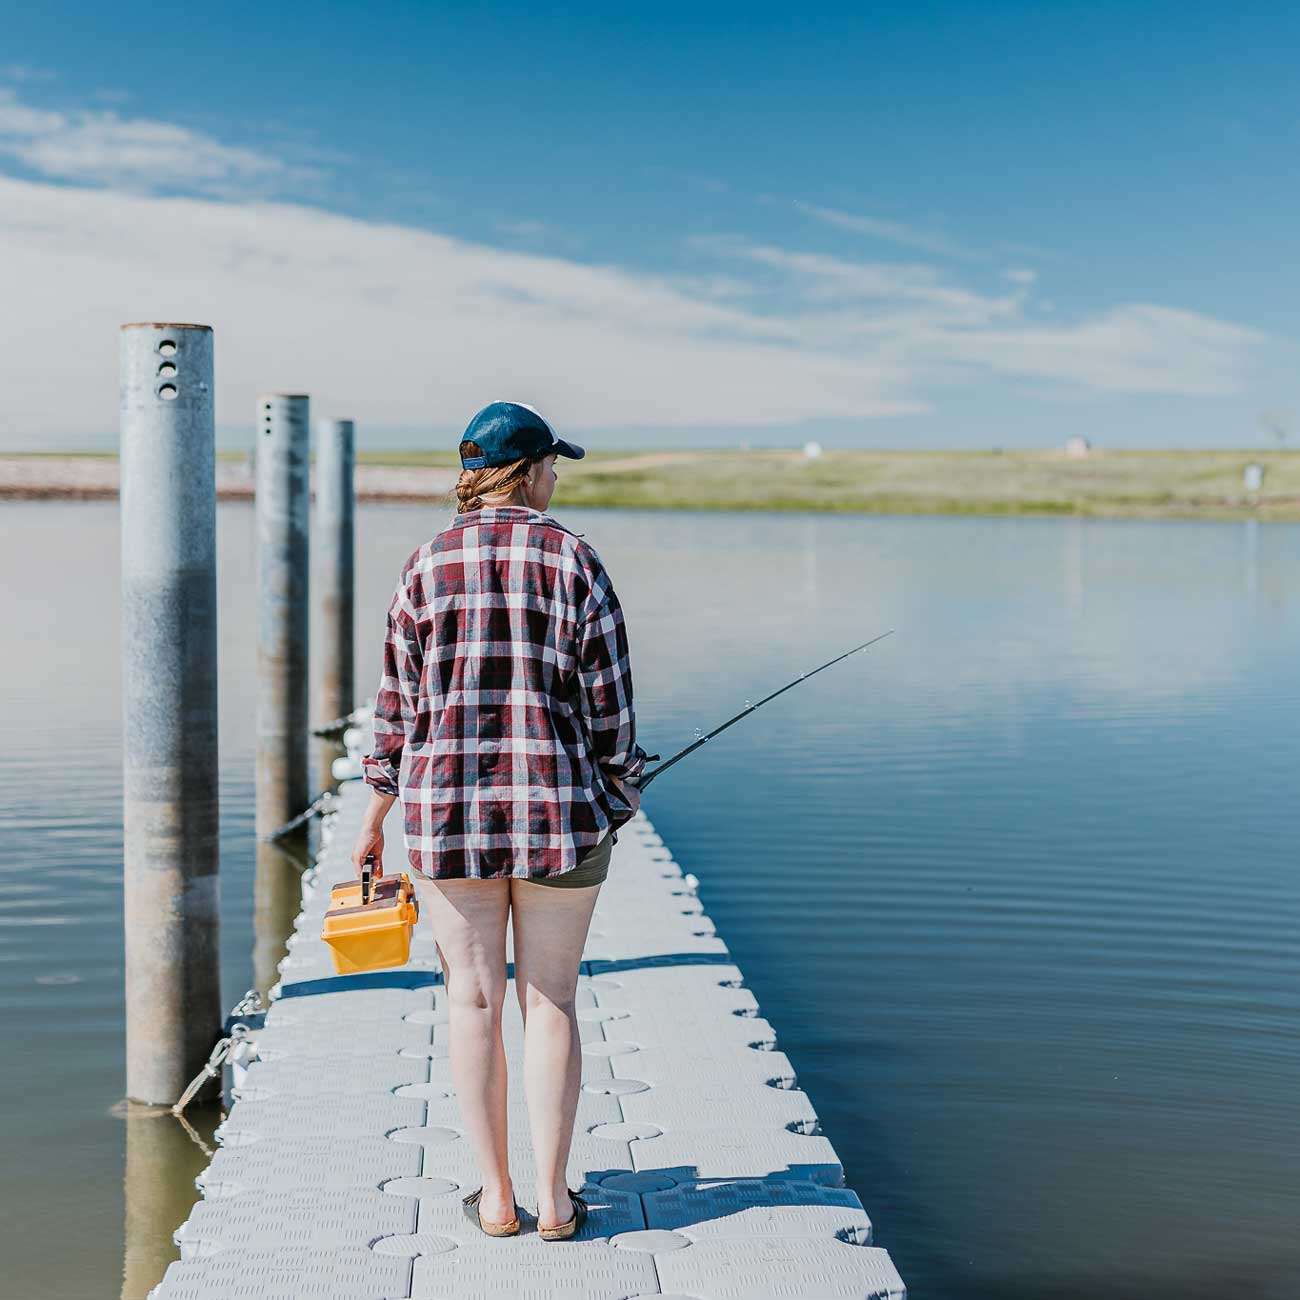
(506, 699)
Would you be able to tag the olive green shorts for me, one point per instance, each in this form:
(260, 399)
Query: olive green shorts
(591, 869)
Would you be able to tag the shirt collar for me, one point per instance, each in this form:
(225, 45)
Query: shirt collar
(491, 511)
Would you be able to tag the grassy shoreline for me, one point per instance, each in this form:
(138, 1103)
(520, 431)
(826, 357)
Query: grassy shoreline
(1104, 484)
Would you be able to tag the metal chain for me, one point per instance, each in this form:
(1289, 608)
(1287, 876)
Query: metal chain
(249, 1004)
(323, 803)
(339, 724)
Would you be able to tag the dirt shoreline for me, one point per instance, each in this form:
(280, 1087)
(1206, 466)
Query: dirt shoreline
(1115, 485)
(87, 478)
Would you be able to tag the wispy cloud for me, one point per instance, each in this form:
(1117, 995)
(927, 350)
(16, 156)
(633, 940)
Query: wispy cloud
(26, 74)
(526, 229)
(894, 232)
(817, 277)
(99, 146)
(914, 315)
(1133, 348)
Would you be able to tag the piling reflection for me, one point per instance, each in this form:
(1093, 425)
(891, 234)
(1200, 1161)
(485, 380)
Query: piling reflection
(165, 1154)
(1250, 557)
(1073, 568)
(326, 752)
(162, 1161)
(277, 896)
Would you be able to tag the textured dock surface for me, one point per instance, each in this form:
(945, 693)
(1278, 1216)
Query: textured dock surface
(342, 1164)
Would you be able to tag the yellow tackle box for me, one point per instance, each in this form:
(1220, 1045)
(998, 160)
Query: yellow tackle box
(369, 922)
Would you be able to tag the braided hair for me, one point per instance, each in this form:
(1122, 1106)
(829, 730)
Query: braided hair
(493, 480)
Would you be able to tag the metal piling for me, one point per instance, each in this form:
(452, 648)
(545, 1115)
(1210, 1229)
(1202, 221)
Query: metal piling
(335, 513)
(283, 530)
(169, 696)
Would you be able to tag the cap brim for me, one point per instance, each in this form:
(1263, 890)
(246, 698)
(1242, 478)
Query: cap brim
(569, 449)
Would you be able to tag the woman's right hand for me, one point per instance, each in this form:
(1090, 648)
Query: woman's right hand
(370, 840)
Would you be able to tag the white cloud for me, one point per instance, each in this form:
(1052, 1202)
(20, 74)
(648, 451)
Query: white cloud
(102, 147)
(393, 325)
(406, 327)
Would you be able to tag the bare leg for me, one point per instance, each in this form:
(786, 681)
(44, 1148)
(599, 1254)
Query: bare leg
(469, 926)
(550, 927)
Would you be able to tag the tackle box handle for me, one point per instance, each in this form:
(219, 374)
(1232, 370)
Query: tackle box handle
(368, 875)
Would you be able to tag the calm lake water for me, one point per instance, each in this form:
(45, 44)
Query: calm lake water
(1018, 889)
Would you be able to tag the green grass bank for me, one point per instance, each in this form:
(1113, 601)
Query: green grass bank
(1133, 484)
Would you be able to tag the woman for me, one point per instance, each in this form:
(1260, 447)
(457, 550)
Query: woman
(504, 722)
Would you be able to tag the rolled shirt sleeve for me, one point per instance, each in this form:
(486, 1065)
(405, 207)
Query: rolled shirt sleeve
(395, 701)
(605, 688)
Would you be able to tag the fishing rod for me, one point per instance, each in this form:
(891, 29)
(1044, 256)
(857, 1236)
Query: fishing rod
(646, 777)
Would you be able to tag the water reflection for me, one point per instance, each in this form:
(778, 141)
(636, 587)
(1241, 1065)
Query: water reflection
(1017, 888)
(1250, 556)
(1072, 549)
(165, 1153)
(277, 896)
(162, 1162)
(326, 752)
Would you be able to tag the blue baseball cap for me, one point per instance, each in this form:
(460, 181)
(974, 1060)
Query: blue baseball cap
(510, 431)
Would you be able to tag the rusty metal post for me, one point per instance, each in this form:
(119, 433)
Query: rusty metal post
(335, 566)
(169, 696)
(283, 509)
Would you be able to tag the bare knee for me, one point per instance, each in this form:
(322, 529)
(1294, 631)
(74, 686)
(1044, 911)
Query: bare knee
(476, 996)
(544, 998)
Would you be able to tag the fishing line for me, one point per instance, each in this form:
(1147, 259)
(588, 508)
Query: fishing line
(646, 777)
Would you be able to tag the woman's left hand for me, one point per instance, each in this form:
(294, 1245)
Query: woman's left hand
(629, 792)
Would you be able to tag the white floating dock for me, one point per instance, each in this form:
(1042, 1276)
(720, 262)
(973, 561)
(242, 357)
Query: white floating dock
(343, 1163)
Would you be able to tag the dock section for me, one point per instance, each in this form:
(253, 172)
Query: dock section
(342, 1163)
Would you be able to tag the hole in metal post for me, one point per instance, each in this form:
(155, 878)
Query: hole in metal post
(167, 369)
(167, 347)
(167, 392)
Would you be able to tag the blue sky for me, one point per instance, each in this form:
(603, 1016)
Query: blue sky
(904, 225)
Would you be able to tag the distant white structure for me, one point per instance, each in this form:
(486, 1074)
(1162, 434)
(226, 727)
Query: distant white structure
(811, 450)
(1077, 448)
(1253, 476)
